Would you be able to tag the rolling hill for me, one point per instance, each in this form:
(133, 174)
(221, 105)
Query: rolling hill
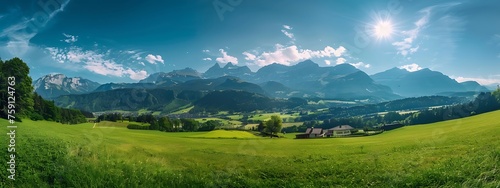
(115, 86)
(457, 153)
(241, 101)
(119, 99)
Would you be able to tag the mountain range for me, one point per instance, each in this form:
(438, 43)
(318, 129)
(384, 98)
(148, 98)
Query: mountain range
(55, 85)
(228, 70)
(423, 82)
(303, 80)
(308, 79)
(172, 78)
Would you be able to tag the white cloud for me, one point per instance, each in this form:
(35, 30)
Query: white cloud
(55, 53)
(206, 51)
(77, 55)
(226, 58)
(137, 56)
(105, 68)
(406, 47)
(411, 67)
(360, 65)
(142, 63)
(287, 33)
(70, 38)
(207, 59)
(139, 75)
(482, 81)
(340, 60)
(95, 62)
(292, 54)
(328, 62)
(130, 51)
(249, 56)
(73, 55)
(154, 59)
(22, 32)
(18, 43)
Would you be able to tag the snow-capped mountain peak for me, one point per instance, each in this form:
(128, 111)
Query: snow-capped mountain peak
(54, 85)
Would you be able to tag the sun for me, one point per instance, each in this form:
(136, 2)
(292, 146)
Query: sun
(383, 29)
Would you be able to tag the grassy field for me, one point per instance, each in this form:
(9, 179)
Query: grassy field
(457, 153)
(140, 112)
(223, 121)
(225, 134)
(249, 126)
(267, 116)
(118, 124)
(183, 111)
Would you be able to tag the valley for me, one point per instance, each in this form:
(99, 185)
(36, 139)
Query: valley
(188, 93)
(249, 94)
(185, 128)
(233, 97)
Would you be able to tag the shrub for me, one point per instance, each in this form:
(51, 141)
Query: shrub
(139, 127)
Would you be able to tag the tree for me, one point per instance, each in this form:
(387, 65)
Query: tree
(153, 125)
(209, 125)
(392, 116)
(189, 125)
(496, 94)
(17, 69)
(177, 125)
(261, 127)
(274, 125)
(165, 124)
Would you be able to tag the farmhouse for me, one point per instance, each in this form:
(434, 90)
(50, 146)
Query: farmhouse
(312, 133)
(341, 130)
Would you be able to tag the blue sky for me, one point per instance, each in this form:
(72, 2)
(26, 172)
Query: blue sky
(125, 41)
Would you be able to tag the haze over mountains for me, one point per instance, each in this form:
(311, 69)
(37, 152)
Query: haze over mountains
(423, 82)
(303, 80)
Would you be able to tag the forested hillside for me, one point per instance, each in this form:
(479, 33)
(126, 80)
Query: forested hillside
(241, 101)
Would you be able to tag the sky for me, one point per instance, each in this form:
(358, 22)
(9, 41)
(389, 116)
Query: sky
(127, 40)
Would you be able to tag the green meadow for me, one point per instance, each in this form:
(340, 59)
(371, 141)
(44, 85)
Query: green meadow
(457, 153)
(226, 134)
(267, 116)
(228, 123)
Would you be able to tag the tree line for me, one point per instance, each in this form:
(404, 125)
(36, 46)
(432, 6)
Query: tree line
(164, 123)
(484, 102)
(167, 124)
(27, 103)
(415, 103)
